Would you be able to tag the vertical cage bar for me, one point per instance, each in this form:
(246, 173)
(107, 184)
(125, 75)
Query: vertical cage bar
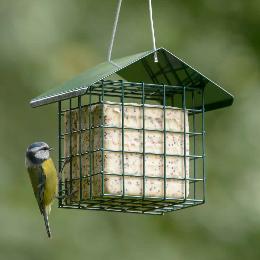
(143, 102)
(102, 138)
(90, 146)
(60, 162)
(164, 142)
(70, 155)
(194, 145)
(123, 136)
(185, 155)
(203, 143)
(80, 147)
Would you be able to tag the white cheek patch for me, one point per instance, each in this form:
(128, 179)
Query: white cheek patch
(42, 154)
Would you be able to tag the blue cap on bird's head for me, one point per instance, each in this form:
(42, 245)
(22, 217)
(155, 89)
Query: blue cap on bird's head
(37, 152)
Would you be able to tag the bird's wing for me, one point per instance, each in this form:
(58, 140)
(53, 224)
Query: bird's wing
(38, 180)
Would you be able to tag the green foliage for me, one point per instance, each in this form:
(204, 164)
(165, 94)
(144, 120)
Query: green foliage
(44, 43)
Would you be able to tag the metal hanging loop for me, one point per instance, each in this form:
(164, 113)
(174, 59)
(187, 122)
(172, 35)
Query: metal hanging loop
(115, 28)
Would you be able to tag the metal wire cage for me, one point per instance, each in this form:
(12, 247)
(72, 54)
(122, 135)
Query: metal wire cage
(135, 142)
(77, 145)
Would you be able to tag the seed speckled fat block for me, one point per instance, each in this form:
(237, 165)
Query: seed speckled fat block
(133, 147)
(72, 150)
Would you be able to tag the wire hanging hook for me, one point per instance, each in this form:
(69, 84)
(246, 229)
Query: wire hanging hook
(114, 31)
(152, 29)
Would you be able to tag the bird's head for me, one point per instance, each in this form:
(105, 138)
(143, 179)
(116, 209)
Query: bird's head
(37, 152)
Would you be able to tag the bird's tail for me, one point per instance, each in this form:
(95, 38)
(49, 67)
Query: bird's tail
(46, 221)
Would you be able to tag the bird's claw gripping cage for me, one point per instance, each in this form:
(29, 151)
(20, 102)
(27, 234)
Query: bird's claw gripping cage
(135, 146)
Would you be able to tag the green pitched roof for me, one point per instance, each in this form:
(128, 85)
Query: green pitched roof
(141, 67)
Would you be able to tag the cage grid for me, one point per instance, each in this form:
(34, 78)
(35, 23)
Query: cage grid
(189, 99)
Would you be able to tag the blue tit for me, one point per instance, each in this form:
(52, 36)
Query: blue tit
(43, 176)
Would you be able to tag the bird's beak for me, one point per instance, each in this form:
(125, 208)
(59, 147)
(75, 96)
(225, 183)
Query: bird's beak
(51, 148)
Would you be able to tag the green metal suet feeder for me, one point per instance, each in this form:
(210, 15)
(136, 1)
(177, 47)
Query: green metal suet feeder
(132, 134)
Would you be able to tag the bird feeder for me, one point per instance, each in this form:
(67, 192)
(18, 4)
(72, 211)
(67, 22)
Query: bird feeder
(132, 134)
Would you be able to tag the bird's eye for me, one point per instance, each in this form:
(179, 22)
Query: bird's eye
(45, 148)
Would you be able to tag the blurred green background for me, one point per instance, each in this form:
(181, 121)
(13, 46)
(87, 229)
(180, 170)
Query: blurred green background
(45, 42)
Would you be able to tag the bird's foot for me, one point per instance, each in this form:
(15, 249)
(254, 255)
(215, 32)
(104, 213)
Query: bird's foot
(67, 160)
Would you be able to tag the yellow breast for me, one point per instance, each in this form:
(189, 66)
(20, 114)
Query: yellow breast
(51, 184)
